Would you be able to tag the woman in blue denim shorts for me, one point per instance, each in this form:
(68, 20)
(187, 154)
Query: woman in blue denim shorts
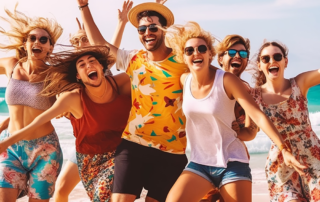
(218, 157)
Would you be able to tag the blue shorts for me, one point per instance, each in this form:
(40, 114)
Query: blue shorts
(31, 166)
(235, 171)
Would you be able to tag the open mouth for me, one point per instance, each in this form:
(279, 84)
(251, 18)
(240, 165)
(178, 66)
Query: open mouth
(149, 41)
(274, 70)
(197, 61)
(236, 64)
(36, 50)
(93, 75)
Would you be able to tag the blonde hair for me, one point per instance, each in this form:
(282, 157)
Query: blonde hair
(229, 41)
(61, 75)
(21, 25)
(178, 35)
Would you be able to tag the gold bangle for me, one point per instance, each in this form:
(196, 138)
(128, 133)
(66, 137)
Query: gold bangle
(284, 147)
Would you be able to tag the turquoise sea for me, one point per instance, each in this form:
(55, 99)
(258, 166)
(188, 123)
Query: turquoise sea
(260, 144)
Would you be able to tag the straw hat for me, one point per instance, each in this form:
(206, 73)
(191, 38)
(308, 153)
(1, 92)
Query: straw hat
(150, 6)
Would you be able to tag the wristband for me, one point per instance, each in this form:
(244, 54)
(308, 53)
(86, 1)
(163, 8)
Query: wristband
(284, 147)
(81, 7)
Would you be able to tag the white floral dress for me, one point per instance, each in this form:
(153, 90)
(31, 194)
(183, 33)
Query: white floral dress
(291, 118)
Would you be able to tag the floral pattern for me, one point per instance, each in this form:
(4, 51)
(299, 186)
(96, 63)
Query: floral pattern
(27, 164)
(291, 118)
(156, 118)
(96, 173)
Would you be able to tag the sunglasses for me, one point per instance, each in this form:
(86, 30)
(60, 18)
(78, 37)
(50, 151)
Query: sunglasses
(242, 53)
(42, 40)
(75, 41)
(266, 58)
(201, 49)
(152, 28)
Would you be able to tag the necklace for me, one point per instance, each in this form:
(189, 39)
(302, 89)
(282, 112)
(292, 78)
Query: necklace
(105, 91)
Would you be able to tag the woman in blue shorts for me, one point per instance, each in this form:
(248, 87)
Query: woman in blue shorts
(31, 165)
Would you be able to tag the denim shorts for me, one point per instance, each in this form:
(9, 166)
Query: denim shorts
(217, 176)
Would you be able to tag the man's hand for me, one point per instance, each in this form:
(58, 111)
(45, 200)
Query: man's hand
(161, 1)
(235, 126)
(82, 2)
(123, 15)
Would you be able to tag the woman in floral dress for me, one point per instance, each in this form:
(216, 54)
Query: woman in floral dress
(284, 102)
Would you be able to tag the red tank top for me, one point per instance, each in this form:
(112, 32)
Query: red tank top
(100, 128)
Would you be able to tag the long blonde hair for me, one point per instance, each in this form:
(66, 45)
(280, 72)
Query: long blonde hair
(20, 27)
(61, 75)
(178, 35)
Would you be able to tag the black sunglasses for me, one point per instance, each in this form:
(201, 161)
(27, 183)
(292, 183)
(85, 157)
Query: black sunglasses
(42, 39)
(201, 49)
(266, 58)
(143, 28)
(242, 53)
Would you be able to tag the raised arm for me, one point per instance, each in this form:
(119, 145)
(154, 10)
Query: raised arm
(122, 21)
(93, 33)
(161, 1)
(60, 106)
(234, 89)
(308, 79)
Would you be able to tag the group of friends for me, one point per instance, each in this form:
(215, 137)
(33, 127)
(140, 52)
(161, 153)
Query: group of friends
(131, 129)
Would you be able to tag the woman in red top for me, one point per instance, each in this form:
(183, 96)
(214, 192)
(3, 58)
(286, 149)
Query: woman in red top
(99, 108)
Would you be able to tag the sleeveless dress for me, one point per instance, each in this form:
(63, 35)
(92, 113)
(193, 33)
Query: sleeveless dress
(291, 118)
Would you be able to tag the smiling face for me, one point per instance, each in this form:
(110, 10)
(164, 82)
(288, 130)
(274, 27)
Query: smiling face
(151, 40)
(235, 65)
(80, 39)
(197, 61)
(272, 69)
(90, 71)
(35, 46)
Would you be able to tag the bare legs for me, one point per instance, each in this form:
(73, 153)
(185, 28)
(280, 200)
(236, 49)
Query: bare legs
(7, 194)
(67, 180)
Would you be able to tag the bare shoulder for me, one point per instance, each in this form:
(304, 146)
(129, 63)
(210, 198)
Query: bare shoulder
(183, 78)
(69, 95)
(7, 64)
(122, 79)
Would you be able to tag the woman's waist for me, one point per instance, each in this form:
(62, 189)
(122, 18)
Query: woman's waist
(41, 131)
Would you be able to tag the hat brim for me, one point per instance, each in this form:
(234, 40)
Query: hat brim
(150, 6)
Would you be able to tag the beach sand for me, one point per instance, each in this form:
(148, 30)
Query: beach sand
(259, 185)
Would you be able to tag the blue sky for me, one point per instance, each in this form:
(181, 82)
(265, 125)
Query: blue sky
(293, 22)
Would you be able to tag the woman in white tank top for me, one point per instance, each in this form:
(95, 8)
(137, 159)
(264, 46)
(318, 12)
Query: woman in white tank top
(218, 157)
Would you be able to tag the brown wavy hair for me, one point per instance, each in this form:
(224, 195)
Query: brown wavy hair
(259, 76)
(61, 75)
(229, 41)
(20, 27)
(178, 35)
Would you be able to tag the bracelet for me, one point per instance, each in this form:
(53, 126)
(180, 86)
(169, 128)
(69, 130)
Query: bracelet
(284, 147)
(81, 7)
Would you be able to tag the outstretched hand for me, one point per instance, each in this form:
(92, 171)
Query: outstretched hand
(123, 15)
(292, 162)
(82, 2)
(161, 1)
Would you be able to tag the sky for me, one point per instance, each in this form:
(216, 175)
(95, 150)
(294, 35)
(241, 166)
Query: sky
(293, 22)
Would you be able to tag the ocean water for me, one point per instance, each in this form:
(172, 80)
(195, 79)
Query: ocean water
(259, 145)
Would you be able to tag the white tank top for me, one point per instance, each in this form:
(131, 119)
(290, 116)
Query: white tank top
(212, 140)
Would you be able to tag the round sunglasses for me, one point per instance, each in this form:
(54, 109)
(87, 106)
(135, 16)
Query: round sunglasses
(75, 41)
(143, 28)
(201, 49)
(42, 39)
(266, 58)
(242, 53)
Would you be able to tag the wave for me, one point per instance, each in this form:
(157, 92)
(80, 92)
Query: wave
(261, 144)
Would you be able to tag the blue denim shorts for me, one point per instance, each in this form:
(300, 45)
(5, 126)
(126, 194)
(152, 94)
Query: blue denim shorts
(217, 176)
